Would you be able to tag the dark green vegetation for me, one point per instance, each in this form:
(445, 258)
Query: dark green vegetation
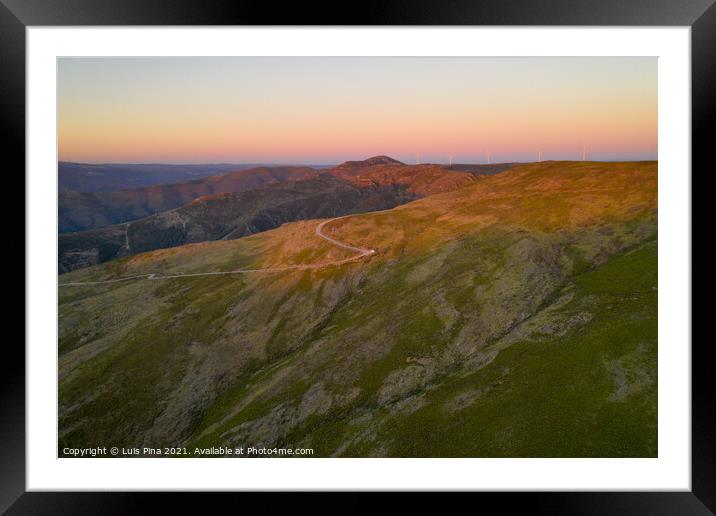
(578, 379)
(515, 316)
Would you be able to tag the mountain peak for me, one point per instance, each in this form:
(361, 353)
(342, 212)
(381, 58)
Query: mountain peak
(354, 168)
(382, 160)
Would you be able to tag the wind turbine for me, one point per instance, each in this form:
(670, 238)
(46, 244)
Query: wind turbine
(584, 153)
(539, 154)
(450, 159)
(489, 157)
(417, 159)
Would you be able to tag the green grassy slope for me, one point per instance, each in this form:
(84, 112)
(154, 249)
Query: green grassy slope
(513, 317)
(590, 391)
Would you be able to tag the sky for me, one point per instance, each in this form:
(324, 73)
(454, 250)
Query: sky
(325, 110)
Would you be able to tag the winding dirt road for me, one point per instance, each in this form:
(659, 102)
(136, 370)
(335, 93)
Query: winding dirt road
(362, 253)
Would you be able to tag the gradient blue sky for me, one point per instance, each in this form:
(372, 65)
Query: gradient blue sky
(327, 110)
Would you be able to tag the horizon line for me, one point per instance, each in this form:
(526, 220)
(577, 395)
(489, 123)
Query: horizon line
(308, 164)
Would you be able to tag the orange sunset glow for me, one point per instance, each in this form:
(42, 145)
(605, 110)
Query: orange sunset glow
(327, 110)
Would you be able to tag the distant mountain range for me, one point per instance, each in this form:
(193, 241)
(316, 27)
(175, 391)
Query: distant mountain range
(79, 211)
(84, 210)
(236, 204)
(107, 177)
(227, 216)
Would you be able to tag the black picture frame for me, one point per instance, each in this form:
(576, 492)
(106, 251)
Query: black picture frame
(17, 15)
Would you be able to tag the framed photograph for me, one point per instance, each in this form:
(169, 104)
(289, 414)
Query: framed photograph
(443, 250)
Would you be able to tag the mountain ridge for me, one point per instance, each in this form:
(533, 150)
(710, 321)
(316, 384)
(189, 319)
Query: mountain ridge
(226, 216)
(80, 211)
(213, 197)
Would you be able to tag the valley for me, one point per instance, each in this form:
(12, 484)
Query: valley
(238, 204)
(80, 211)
